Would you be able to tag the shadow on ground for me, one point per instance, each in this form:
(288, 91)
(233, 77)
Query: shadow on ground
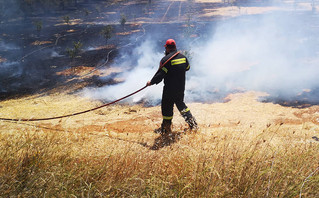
(166, 140)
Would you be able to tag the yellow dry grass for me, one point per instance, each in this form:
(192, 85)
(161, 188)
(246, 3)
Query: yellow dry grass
(78, 71)
(71, 30)
(244, 148)
(233, 11)
(127, 33)
(41, 42)
(209, 1)
(105, 47)
(71, 23)
(2, 60)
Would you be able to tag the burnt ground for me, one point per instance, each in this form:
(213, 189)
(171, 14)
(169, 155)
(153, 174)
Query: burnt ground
(38, 61)
(31, 59)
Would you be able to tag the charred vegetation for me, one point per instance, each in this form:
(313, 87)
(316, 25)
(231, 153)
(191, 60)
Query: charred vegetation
(40, 39)
(42, 42)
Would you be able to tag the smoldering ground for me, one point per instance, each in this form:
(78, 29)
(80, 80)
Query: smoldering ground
(31, 68)
(274, 52)
(138, 66)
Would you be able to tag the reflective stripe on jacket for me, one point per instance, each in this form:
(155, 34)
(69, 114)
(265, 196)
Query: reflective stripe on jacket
(173, 73)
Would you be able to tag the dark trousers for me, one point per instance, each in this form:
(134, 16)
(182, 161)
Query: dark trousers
(168, 100)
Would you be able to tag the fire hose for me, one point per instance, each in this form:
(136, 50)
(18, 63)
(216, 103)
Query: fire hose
(89, 110)
(73, 114)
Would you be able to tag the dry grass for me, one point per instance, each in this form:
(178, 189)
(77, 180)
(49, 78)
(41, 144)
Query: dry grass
(41, 42)
(244, 149)
(78, 71)
(127, 33)
(222, 164)
(2, 59)
(101, 155)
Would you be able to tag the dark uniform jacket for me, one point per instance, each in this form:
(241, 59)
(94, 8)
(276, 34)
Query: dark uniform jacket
(173, 73)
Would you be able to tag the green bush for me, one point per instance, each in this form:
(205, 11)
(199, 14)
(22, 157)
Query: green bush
(107, 32)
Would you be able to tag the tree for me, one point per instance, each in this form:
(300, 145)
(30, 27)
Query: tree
(86, 12)
(66, 19)
(38, 25)
(75, 50)
(107, 32)
(123, 20)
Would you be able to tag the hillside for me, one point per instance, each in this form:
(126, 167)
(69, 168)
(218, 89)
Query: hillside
(243, 148)
(250, 143)
(240, 113)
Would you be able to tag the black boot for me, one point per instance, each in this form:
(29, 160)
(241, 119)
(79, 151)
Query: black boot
(190, 120)
(165, 127)
(192, 124)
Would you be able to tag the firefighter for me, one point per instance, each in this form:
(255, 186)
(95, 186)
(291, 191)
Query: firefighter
(173, 72)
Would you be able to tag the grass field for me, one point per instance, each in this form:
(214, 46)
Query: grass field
(113, 152)
(244, 147)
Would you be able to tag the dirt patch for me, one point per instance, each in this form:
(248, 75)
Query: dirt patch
(234, 11)
(310, 114)
(110, 46)
(78, 71)
(2, 60)
(127, 33)
(91, 128)
(71, 30)
(41, 42)
(288, 121)
(130, 126)
(51, 127)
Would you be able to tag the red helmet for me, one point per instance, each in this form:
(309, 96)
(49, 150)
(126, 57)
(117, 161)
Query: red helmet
(170, 42)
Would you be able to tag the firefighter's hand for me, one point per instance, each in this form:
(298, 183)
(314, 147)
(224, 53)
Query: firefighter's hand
(148, 83)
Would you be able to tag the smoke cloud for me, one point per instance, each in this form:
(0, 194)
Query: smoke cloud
(137, 71)
(7, 46)
(274, 52)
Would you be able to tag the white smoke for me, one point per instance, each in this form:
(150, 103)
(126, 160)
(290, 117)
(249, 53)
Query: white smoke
(7, 46)
(274, 52)
(268, 53)
(135, 78)
(55, 54)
